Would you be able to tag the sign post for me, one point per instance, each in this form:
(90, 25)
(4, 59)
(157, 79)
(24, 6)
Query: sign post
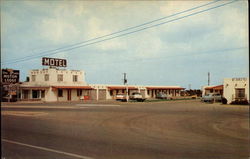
(9, 81)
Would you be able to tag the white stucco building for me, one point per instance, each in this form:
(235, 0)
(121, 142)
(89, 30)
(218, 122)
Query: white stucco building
(236, 89)
(53, 84)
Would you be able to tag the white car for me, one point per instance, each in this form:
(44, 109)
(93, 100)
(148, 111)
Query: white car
(211, 97)
(136, 96)
(120, 97)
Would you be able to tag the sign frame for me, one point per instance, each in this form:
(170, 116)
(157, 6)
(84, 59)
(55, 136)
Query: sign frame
(56, 62)
(10, 76)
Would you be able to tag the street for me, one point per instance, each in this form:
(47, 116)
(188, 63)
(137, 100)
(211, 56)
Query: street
(118, 130)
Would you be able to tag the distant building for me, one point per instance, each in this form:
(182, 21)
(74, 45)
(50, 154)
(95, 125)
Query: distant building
(218, 89)
(54, 84)
(233, 89)
(236, 89)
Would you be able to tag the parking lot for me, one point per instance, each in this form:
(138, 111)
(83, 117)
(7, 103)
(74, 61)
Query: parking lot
(119, 130)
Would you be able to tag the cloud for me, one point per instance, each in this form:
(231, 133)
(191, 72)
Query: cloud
(172, 7)
(29, 27)
(58, 30)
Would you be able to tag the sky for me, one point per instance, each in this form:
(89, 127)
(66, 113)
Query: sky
(180, 51)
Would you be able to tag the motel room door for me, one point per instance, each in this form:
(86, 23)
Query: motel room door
(69, 94)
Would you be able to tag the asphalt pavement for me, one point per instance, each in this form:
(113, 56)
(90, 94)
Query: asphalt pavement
(120, 130)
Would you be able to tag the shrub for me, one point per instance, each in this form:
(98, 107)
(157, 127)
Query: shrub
(240, 102)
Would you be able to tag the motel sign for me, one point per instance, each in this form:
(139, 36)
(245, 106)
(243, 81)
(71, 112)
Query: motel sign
(10, 76)
(54, 62)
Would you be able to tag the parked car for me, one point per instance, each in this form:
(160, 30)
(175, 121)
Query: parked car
(121, 97)
(211, 97)
(161, 95)
(137, 96)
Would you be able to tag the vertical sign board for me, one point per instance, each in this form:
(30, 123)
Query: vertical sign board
(54, 62)
(10, 79)
(10, 76)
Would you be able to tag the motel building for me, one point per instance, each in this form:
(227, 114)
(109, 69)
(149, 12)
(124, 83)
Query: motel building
(233, 89)
(236, 89)
(218, 89)
(53, 84)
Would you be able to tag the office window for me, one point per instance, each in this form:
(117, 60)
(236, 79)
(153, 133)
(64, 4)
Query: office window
(79, 92)
(60, 93)
(33, 78)
(75, 78)
(60, 77)
(46, 77)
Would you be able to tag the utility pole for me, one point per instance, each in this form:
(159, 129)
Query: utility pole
(125, 81)
(208, 82)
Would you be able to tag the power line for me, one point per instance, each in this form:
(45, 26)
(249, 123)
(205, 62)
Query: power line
(53, 50)
(68, 49)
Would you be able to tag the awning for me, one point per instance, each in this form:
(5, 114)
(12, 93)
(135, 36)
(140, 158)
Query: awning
(35, 87)
(72, 87)
(121, 87)
(164, 88)
(219, 87)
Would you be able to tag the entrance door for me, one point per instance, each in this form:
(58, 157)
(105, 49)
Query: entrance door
(25, 94)
(69, 94)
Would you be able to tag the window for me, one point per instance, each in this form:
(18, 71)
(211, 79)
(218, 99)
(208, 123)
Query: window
(75, 78)
(33, 78)
(35, 94)
(240, 93)
(79, 92)
(42, 93)
(46, 77)
(60, 77)
(60, 93)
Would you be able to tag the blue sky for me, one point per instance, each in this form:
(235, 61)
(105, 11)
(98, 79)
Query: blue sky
(181, 52)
